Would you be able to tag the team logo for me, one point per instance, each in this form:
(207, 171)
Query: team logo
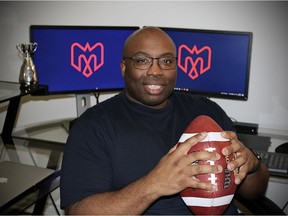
(87, 59)
(194, 61)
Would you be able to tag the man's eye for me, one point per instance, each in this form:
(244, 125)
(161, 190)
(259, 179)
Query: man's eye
(141, 60)
(167, 60)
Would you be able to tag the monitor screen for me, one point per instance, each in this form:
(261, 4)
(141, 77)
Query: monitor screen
(75, 59)
(213, 63)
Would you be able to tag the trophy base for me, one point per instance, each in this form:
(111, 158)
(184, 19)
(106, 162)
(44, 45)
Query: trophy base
(27, 88)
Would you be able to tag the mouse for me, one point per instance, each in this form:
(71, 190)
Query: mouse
(283, 148)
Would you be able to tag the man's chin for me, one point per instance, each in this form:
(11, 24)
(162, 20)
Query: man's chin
(156, 102)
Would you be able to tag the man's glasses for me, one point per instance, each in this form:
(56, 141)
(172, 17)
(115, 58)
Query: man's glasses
(145, 62)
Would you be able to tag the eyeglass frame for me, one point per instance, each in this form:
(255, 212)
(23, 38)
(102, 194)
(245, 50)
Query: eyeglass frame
(151, 63)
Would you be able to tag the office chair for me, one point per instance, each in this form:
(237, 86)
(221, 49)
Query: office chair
(259, 206)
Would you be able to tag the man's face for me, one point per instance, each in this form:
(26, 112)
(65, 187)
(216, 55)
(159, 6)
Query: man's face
(152, 86)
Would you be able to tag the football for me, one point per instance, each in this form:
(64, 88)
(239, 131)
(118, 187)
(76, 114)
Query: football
(202, 202)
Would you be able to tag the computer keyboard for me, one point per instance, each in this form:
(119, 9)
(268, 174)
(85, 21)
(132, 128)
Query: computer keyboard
(277, 163)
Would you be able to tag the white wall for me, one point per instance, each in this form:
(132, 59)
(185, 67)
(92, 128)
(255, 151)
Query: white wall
(268, 101)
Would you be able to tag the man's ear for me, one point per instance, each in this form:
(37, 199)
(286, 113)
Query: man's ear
(123, 68)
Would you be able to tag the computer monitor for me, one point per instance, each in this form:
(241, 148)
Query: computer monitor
(213, 63)
(79, 59)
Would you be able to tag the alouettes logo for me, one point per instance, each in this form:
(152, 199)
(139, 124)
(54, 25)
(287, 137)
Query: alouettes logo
(194, 61)
(87, 59)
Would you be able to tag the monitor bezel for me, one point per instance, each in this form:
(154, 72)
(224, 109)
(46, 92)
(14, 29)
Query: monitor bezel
(82, 27)
(248, 67)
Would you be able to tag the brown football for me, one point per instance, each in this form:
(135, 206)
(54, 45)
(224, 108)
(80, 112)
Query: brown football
(199, 201)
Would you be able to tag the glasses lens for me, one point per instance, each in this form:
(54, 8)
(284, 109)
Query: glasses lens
(142, 62)
(167, 63)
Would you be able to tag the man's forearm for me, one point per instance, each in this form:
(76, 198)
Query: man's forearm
(133, 199)
(255, 184)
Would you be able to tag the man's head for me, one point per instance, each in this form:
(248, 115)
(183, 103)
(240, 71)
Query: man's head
(149, 67)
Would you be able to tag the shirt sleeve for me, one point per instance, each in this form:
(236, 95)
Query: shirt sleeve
(86, 167)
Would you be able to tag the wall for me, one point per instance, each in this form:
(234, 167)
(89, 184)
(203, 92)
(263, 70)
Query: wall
(268, 102)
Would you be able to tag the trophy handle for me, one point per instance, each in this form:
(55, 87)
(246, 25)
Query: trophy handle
(35, 45)
(18, 47)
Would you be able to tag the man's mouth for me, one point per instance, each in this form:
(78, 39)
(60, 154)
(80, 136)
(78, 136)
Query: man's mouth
(154, 87)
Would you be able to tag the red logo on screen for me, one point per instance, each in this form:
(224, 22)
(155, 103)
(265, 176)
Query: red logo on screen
(87, 59)
(194, 61)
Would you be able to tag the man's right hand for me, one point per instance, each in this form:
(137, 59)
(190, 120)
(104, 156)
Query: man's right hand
(175, 171)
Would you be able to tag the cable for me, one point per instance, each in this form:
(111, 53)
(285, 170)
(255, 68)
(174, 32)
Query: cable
(97, 95)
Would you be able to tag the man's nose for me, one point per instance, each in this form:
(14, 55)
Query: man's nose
(155, 69)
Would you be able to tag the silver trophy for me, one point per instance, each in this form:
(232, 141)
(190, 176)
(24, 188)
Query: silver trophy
(28, 76)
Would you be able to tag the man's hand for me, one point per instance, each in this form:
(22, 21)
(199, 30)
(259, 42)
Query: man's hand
(244, 160)
(174, 172)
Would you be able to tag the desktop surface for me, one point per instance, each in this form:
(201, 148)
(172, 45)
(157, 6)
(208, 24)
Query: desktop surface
(10, 90)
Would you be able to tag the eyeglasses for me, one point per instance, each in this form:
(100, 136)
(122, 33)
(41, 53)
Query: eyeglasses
(145, 62)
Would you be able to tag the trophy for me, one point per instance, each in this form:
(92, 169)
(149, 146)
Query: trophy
(28, 77)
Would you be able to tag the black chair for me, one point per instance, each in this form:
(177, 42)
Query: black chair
(260, 206)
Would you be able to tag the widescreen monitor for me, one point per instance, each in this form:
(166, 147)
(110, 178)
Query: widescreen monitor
(213, 63)
(79, 59)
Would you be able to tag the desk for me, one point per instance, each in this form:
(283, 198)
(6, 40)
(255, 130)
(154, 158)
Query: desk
(15, 148)
(11, 92)
(277, 187)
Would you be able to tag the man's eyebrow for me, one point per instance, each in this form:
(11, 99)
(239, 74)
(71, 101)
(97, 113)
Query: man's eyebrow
(147, 54)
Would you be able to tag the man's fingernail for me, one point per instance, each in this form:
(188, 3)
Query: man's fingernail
(225, 151)
(203, 134)
(214, 188)
(220, 169)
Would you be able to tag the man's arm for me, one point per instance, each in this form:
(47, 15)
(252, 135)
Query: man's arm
(255, 184)
(172, 174)
(133, 199)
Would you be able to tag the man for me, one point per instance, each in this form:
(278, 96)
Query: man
(121, 155)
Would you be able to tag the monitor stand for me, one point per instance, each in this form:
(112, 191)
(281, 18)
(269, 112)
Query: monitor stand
(83, 102)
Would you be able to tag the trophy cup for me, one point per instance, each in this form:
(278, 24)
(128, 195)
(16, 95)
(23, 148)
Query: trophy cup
(28, 77)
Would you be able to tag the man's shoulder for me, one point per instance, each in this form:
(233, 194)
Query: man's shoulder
(187, 100)
(115, 99)
(109, 102)
(187, 96)
(103, 108)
